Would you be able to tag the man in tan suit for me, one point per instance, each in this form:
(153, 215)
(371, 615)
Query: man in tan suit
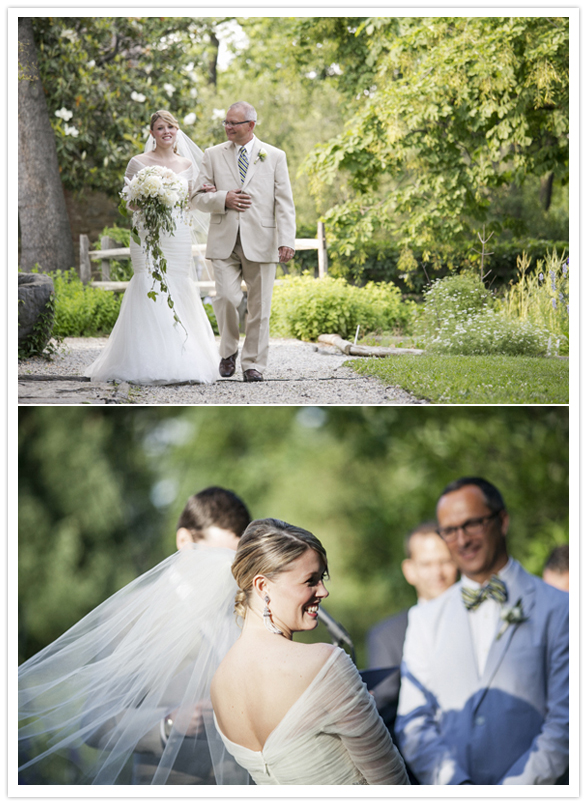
(252, 227)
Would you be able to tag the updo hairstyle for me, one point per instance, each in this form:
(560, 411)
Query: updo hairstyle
(168, 118)
(267, 547)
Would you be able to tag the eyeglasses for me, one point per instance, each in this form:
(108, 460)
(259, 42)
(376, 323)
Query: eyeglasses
(238, 122)
(471, 528)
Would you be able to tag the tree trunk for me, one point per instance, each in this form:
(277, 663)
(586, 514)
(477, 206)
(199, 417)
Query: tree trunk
(213, 61)
(44, 225)
(546, 190)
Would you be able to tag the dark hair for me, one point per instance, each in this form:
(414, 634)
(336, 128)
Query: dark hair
(214, 506)
(429, 527)
(558, 561)
(491, 493)
(267, 547)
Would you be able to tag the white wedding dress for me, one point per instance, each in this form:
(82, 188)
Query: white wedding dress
(147, 346)
(332, 735)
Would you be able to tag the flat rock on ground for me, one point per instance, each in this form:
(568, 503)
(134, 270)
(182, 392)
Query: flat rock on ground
(298, 374)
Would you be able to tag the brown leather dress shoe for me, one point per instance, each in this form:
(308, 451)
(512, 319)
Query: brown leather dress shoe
(228, 365)
(251, 375)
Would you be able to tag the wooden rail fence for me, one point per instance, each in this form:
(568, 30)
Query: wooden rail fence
(110, 251)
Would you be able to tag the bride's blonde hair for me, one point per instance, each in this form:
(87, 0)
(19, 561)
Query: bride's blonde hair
(167, 117)
(267, 547)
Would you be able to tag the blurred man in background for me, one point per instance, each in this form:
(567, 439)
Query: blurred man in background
(556, 569)
(429, 568)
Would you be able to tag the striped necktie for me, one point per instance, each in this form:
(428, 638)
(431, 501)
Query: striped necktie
(495, 588)
(243, 163)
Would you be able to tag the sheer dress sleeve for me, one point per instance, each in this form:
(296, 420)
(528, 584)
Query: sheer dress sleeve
(352, 714)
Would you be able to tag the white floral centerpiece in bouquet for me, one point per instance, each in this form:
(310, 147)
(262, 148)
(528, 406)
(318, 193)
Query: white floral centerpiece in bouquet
(154, 194)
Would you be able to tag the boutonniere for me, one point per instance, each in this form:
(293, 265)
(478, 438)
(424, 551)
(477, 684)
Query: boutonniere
(509, 615)
(262, 155)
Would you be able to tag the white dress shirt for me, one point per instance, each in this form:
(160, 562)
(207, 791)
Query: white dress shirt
(485, 620)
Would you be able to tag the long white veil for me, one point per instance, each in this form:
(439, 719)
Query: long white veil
(93, 705)
(187, 148)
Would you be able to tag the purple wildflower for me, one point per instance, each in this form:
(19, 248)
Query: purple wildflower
(554, 304)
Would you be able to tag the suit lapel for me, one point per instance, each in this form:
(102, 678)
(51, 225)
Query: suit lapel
(230, 157)
(458, 641)
(520, 587)
(253, 162)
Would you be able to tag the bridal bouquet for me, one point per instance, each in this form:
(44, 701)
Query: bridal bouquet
(155, 192)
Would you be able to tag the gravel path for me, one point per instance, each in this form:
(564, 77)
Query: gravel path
(298, 374)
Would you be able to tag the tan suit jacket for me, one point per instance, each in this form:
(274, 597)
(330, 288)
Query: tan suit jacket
(269, 222)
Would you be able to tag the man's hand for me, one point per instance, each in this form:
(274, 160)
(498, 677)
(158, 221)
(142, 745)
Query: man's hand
(237, 200)
(285, 254)
(201, 713)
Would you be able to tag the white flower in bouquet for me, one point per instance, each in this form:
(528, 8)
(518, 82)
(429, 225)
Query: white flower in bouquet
(156, 194)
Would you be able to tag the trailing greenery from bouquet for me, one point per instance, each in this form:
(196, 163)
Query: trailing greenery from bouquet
(155, 194)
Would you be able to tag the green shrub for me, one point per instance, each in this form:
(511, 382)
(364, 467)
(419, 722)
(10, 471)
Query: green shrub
(120, 271)
(81, 310)
(412, 269)
(458, 318)
(306, 308)
(450, 300)
(489, 333)
(211, 317)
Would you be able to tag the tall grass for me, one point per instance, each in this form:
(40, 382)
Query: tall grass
(541, 297)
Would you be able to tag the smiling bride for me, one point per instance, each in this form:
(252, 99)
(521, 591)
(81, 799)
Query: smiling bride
(294, 713)
(162, 334)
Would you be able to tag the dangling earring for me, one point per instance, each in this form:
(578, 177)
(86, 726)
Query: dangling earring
(267, 619)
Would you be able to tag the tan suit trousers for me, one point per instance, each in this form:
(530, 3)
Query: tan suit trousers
(259, 279)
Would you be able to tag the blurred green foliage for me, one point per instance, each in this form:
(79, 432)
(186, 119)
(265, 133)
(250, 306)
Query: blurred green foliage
(101, 490)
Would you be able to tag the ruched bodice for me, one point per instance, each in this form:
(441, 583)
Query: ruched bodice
(332, 735)
(146, 345)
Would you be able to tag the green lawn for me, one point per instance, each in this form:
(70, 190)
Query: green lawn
(487, 379)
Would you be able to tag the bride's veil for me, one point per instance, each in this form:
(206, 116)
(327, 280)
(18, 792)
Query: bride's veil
(93, 704)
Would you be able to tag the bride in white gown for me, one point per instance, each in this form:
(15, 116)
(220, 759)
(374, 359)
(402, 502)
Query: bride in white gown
(294, 713)
(146, 345)
(154, 655)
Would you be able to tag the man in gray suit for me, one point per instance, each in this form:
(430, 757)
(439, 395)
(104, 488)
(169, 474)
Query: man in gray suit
(430, 569)
(252, 227)
(484, 698)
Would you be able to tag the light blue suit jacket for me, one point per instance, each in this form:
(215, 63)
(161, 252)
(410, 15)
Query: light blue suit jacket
(511, 725)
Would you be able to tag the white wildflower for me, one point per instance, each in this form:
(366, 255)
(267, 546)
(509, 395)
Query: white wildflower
(169, 89)
(138, 96)
(190, 119)
(218, 114)
(64, 113)
(70, 131)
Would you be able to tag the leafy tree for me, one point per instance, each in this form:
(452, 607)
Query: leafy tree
(460, 110)
(87, 525)
(44, 225)
(105, 76)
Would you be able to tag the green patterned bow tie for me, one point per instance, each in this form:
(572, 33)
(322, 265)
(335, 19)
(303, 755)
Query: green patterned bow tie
(495, 588)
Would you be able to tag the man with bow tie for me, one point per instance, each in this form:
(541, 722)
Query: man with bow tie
(485, 674)
(252, 227)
